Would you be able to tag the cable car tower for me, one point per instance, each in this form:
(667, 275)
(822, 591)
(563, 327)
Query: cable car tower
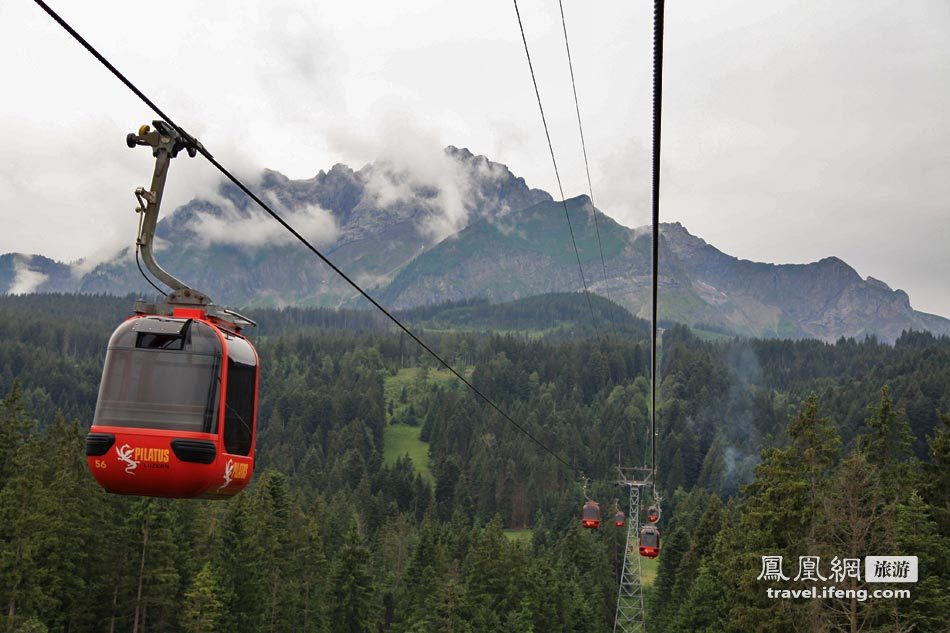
(629, 616)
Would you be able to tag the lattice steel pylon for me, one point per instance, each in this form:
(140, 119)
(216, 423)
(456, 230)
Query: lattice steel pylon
(629, 617)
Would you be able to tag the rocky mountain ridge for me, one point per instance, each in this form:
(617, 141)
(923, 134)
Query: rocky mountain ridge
(467, 227)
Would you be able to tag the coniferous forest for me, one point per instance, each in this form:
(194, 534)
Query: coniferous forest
(764, 448)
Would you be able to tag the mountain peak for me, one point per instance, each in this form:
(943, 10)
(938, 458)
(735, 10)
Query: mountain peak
(877, 283)
(340, 170)
(271, 178)
(840, 268)
(460, 152)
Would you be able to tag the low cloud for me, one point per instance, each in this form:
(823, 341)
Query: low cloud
(411, 167)
(25, 280)
(253, 228)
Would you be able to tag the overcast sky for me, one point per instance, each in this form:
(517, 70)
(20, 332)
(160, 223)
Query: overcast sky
(791, 130)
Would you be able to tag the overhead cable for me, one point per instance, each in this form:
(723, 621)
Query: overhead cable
(657, 112)
(590, 186)
(557, 174)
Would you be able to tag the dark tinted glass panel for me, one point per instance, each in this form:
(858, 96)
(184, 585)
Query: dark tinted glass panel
(159, 387)
(649, 539)
(160, 325)
(195, 336)
(239, 409)
(147, 340)
(157, 333)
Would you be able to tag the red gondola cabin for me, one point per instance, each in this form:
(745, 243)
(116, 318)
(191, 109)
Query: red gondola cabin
(653, 514)
(590, 515)
(620, 519)
(177, 408)
(649, 541)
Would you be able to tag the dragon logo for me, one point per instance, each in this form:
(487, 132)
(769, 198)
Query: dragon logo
(125, 455)
(228, 472)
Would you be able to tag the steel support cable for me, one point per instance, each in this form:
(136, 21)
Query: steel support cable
(590, 186)
(150, 282)
(138, 261)
(557, 174)
(263, 205)
(657, 111)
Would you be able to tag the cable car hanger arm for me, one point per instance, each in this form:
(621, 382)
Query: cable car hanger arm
(166, 142)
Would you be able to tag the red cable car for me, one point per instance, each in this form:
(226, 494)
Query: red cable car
(620, 519)
(177, 408)
(590, 515)
(653, 514)
(649, 541)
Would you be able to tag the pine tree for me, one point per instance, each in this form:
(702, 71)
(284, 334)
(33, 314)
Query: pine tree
(203, 606)
(888, 445)
(14, 429)
(816, 445)
(267, 548)
(705, 606)
(661, 604)
(233, 565)
(73, 521)
(489, 570)
(24, 507)
(934, 480)
(853, 522)
(352, 605)
(306, 574)
(783, 499)
(702, 540)
(779, 515)
(520, 620)
(31, 625)
(161, 577)
(918, 535)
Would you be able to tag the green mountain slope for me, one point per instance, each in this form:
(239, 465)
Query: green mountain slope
(530, 253)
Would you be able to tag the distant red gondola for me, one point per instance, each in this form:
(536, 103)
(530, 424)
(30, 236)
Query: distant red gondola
(649, 541)
(653, 514)
(620, 519)
(590, 515)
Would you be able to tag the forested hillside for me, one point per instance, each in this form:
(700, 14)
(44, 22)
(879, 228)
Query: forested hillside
(764, 448)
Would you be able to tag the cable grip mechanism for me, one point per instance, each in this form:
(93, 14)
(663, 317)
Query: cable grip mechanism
(166, 143)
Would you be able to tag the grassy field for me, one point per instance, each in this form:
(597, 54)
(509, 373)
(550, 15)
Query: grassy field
(521, 536)
(399, 439)
(531, 334)
(648, 568)
(410, 378)
(709, 335)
